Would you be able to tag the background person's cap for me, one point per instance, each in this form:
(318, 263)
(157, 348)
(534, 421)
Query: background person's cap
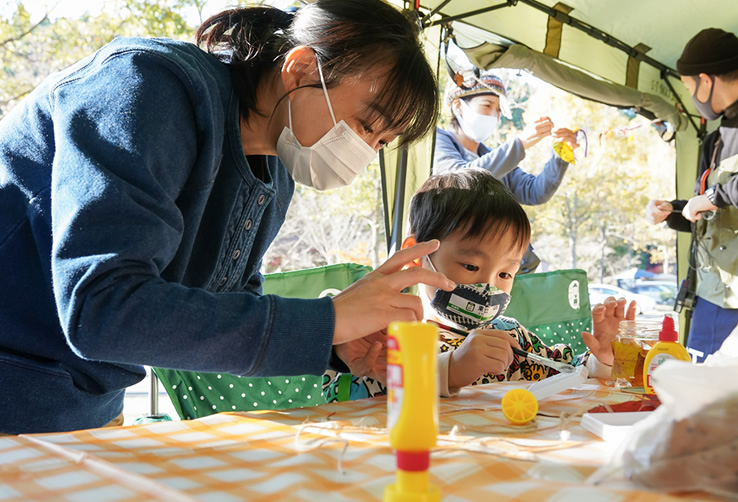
(712, 51)
(485, 83)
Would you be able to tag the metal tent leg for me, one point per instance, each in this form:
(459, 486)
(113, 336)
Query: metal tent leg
(153, 415)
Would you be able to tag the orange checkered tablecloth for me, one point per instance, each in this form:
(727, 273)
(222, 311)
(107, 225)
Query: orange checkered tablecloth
(334, 452)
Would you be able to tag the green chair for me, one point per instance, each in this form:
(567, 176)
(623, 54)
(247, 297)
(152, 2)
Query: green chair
(196, 394)
(554, 305)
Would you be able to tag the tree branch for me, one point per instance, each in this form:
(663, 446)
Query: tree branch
(23, 34)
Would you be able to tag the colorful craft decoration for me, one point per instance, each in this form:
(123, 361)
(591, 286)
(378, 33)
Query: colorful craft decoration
(565, 150)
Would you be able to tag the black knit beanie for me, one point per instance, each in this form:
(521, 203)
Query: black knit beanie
(712, 51)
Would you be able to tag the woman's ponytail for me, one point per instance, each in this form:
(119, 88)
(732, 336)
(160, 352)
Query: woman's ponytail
(246, 34)
(251, 40)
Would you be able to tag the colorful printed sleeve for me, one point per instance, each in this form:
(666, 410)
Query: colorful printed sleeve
(530, 342)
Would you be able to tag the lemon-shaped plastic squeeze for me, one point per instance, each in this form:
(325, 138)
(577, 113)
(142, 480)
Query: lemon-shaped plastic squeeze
(565, 151)
(519, 406)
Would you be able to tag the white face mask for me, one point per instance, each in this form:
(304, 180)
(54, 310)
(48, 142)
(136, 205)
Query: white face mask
(476, 126)
(333, 161)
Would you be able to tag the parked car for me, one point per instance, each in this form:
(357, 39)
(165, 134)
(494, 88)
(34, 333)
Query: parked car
(664, 293)
(598, 293)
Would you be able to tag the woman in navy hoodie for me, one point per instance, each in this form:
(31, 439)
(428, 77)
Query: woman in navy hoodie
(140, 188)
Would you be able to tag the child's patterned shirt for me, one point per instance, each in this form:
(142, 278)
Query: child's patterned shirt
(363, 387)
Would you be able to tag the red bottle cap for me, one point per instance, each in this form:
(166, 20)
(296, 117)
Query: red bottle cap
(413, 461)
(668, 333)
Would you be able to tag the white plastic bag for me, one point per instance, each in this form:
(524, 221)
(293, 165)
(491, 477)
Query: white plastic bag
(690, 442)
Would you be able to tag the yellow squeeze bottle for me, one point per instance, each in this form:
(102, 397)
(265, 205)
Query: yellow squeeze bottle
(668, 347)
(412, 409)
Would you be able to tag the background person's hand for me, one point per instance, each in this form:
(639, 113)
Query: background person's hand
(375, 300)
(658, 210)
(366, 356)
(696, 206)
(536, 131)
(566, 135)
(483, 351)
(606, 319)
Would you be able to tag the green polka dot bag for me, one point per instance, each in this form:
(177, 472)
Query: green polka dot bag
(196, 394)
(553, 305)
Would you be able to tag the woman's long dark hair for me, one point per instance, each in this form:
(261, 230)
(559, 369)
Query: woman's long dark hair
(348, 37)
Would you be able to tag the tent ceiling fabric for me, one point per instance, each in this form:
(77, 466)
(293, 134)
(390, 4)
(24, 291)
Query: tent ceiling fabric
(657, 29)
(660, 28)
(663, 25)
(576, 81)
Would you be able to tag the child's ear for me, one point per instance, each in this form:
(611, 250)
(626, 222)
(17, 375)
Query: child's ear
(408, 243)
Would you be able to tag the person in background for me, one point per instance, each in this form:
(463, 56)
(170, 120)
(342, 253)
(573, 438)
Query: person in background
(141, 187)
(709, 70)
(476, 109)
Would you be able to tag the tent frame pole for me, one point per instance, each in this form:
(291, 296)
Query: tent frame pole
(385, 202)
(571, 21)
(432, 13)
(398, 210)
(448, 19)
(600, 35)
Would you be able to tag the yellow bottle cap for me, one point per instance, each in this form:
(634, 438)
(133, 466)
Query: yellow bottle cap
(519, 406)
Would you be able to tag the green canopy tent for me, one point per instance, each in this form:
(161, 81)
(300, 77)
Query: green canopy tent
(618, 53)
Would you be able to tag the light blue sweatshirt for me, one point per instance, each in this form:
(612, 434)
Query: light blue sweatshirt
(502, 162)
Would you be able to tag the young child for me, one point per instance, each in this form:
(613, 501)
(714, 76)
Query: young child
(484, 233)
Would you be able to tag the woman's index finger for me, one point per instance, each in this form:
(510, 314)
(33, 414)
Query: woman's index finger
(401, 258)
(402, 279)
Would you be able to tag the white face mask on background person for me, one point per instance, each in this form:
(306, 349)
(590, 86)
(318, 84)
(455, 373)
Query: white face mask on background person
(476, 126)
(333, 161)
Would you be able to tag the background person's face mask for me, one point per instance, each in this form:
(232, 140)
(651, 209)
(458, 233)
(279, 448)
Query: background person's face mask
(333, 161)
(705, 109)
(476, 126)
(469, 306)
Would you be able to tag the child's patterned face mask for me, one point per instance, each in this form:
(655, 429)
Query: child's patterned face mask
(469, 306)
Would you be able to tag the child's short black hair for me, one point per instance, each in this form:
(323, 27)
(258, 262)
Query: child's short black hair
(469, 200)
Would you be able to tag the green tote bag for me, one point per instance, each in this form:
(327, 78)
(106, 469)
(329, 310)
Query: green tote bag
(554, 305)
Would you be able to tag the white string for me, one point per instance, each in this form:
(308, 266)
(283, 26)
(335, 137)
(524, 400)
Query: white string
(454, 440)
(312, 444)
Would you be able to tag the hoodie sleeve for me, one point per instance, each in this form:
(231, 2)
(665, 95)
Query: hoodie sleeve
(499, 161)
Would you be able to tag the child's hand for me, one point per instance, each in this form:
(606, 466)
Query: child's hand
(366, 356)
(483, 351)
(605, 320)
